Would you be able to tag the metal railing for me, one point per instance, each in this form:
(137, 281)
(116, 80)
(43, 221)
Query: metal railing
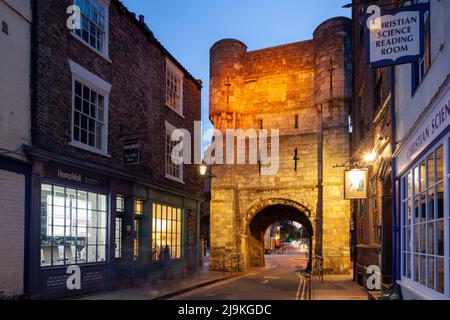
(231, 263)
(317, 268)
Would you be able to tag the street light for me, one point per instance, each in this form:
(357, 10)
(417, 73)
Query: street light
(203, 168)
(370, 156)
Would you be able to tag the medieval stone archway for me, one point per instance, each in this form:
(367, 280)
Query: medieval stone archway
(265, 214)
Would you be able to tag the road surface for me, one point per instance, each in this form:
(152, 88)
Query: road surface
(277, 281)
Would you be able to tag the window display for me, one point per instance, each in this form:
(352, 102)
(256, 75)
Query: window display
(73, 226)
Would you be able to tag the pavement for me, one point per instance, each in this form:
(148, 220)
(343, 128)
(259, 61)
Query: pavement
(337, 287)
(163, 289)
(277, 281)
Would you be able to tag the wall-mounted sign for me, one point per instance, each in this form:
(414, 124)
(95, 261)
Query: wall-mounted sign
(355, 184)
(396, 36)
(74, 175)
(434, 123)
(131, 152)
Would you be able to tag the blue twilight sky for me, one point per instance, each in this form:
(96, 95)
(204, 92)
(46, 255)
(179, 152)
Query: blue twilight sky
(188, 28)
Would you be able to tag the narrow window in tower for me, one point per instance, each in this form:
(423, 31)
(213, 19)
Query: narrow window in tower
(261, 126)
(296, 122)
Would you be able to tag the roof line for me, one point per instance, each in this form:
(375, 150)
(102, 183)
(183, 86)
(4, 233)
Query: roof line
(151, 37)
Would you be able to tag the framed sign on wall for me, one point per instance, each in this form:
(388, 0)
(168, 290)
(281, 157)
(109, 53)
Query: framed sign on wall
(355, 184)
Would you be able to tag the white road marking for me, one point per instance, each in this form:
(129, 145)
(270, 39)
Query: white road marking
(272, 278)
(298, 289)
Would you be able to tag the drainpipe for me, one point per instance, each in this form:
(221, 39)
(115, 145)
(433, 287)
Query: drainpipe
(319, 223)
(394, 174)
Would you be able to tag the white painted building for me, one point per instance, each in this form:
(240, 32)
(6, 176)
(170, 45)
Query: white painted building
(15, 32)
(423, 157)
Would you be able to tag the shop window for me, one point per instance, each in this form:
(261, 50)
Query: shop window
(73, 226)
(167, 231)
(94, 24)
(424, 221)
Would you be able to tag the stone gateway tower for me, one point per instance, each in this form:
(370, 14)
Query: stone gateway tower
(304, 90)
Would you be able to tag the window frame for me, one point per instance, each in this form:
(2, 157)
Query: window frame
(105, 50)
(94, 83)
(179, 234)
(169, 130)
(417, 74)
(410, 280)
(172, 68)
(106, 228)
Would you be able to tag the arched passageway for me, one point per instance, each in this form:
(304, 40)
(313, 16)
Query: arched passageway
(264, 219)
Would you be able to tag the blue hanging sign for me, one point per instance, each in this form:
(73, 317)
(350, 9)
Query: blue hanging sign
(396, 36)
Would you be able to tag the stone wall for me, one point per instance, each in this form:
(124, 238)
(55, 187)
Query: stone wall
(277, 88)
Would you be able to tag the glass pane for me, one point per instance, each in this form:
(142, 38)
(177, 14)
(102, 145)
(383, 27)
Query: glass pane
(440, 200)
(120, 204)
(102, 236)
(102, 202)
(423, 179)
(431, 236)
(92, 201)
(101, 254)
(423, 236)
(431, 273)
(416, 180)
(423, 277)
(92, 254)
(416, 266)
(416, 238)
(431, 213)
(409, 189)
(440, 163)
(440, 275)
(101, 216)
(440, 237)
(92, 236)
(430, 163)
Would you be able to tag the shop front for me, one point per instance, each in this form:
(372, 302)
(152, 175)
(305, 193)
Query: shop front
(93, 230)
(423, 166)
(70, 231)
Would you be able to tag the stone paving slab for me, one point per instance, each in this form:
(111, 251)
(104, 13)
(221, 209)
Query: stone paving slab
(337, 287)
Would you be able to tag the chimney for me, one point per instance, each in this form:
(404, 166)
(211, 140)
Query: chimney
(141, 19)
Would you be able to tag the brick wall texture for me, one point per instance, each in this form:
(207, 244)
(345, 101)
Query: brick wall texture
(12, 228)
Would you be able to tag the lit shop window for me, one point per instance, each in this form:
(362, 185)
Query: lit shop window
(120, 204)
(424, 221)
(166, 231)
(73, 226)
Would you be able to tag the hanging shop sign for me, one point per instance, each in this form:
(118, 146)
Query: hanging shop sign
(355, 184)
(396, 36)
(131, 150)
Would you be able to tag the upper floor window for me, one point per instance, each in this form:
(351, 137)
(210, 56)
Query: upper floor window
(94, 24)
(89, 111)
(174, 87)
(421, 67)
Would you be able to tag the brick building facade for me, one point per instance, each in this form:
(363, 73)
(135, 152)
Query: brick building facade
(304, 90)
(107, 97)
(15, 31)
(371, 119)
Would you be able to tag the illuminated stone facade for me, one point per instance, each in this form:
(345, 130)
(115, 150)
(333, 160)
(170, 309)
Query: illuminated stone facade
(303, 89)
